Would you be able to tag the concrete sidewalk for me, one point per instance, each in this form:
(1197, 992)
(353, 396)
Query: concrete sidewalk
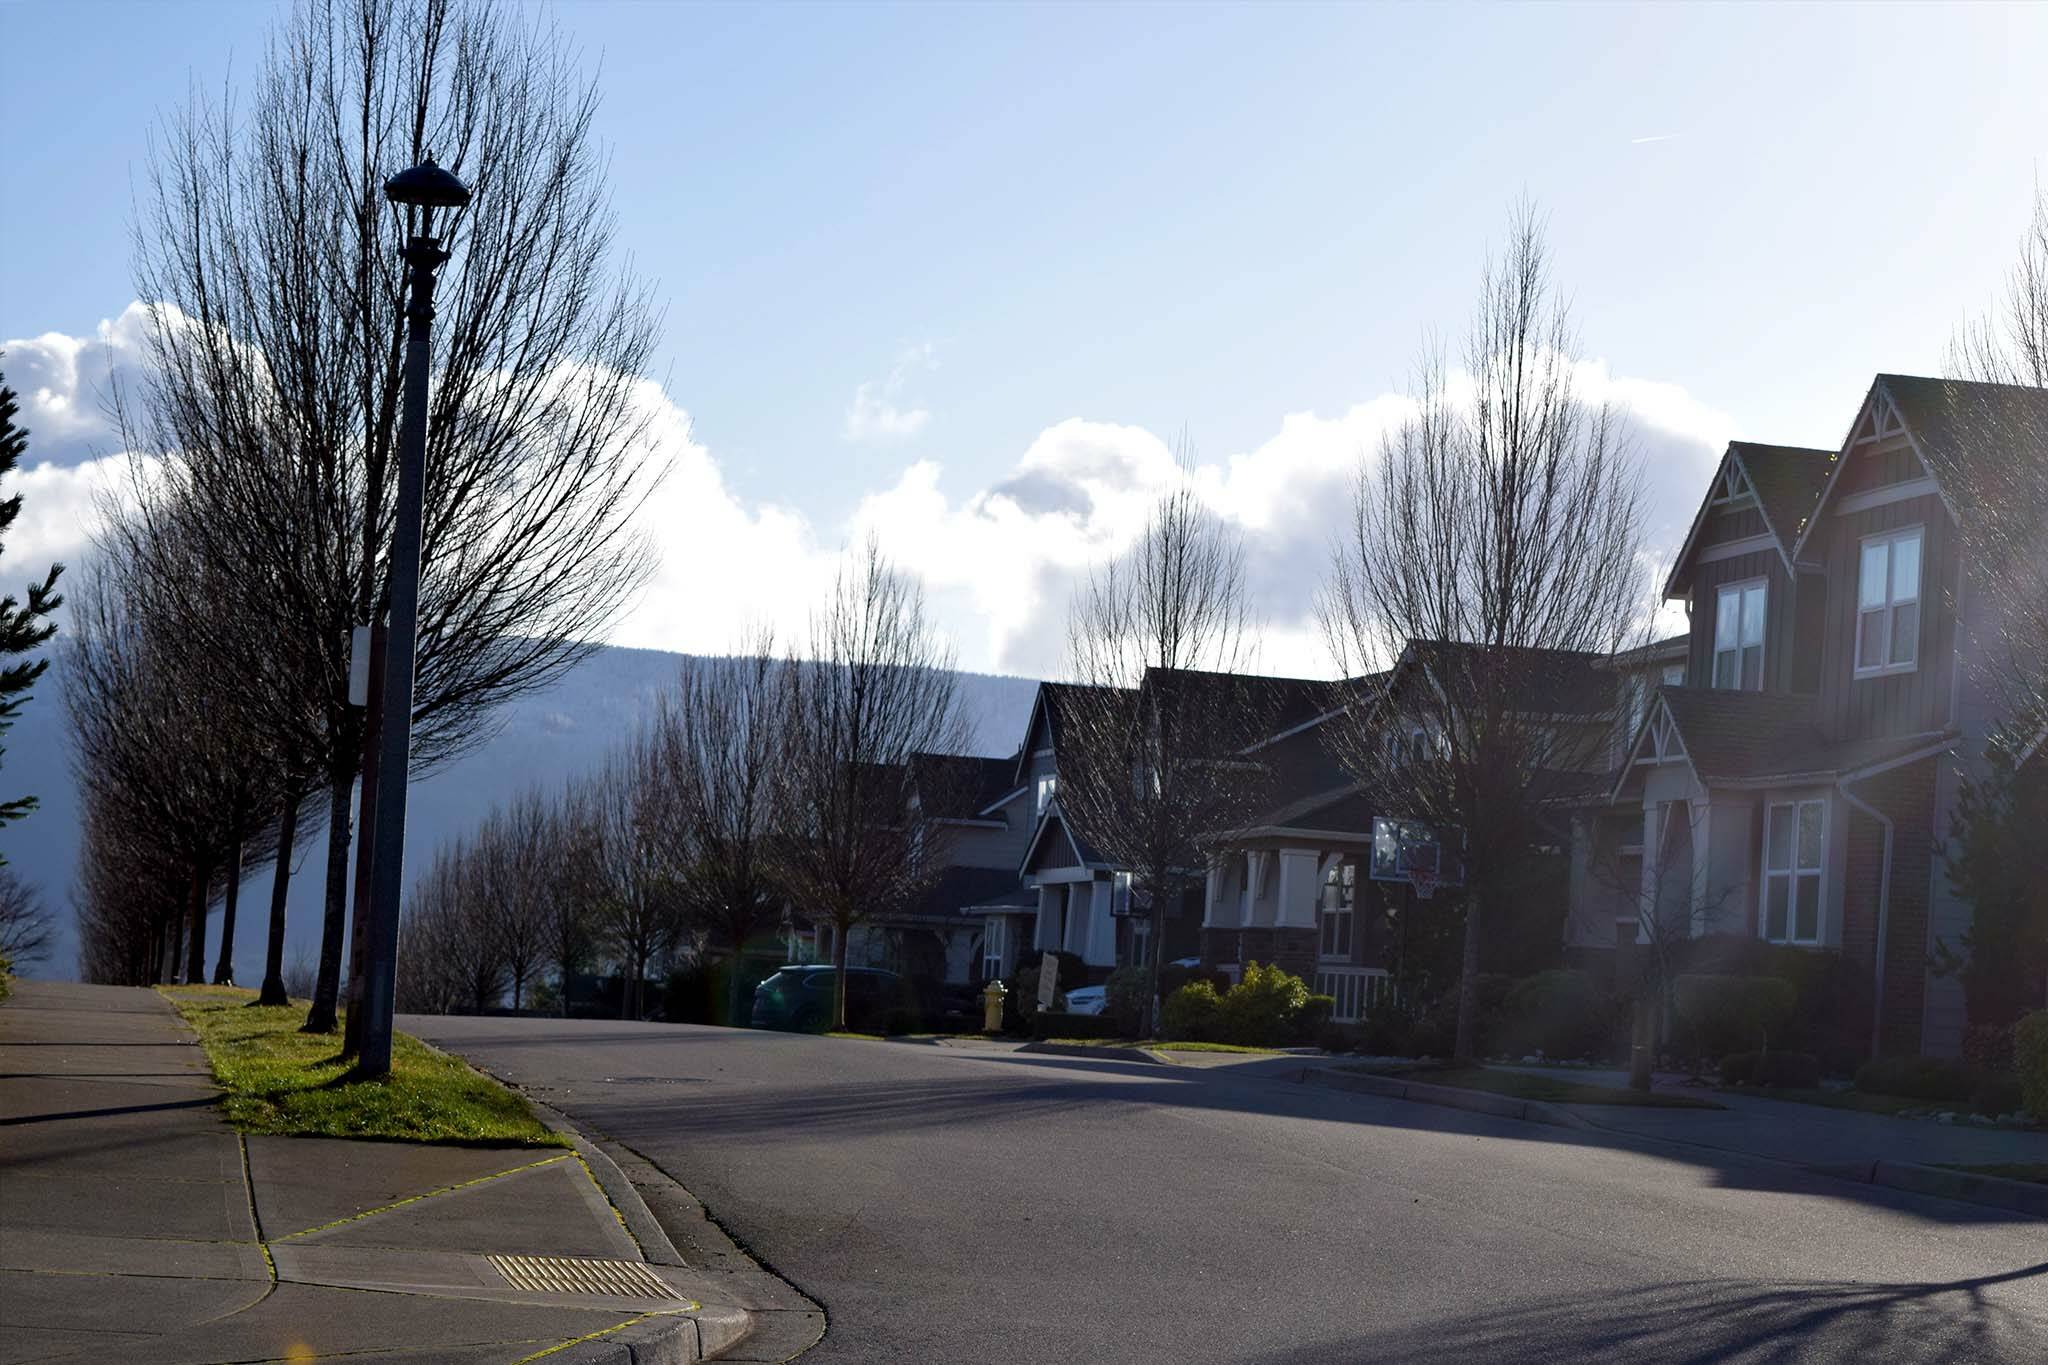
(135, 1225)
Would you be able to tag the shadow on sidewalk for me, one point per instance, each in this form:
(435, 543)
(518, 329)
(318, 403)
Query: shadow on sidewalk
(1718, 1320)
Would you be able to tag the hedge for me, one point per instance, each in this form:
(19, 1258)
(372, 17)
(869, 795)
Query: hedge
(1721, 1014)
(1797, 1070)
(1942, 1079)
(2030, 1057)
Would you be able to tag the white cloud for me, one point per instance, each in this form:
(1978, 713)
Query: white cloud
(999, 563)
(878, 413)
(64, 381)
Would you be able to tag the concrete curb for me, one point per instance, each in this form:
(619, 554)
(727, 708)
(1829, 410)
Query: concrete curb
(1990, 1190)
(1107, 1054)
(633, 1211)
(1477, 1101)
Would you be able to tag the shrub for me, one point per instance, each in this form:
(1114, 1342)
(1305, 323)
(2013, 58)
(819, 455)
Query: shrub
(1997, 1092)
(1557, 1013)
(1940, 1079)
(901, 1019)
(1831, 995)
(2030, 1058)
(1172, 978)
(1259, 1010)
(1989, 1046)
(1723, 1014)
(1388, 1030)
(6, 977)
(1127, 999)
(1193, 1014)
(1796, 1070)
(1337, 1037)
(1436, 1033)
(1056, 1024)
(1313, 1017)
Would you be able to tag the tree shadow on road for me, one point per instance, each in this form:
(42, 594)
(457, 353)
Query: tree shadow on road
(1697, 1322)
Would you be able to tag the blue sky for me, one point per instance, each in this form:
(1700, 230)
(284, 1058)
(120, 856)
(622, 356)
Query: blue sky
(1051, 239)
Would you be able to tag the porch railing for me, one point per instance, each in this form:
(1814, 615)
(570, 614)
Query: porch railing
(1355, 989)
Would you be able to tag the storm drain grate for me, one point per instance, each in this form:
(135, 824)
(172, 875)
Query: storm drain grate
(580, 1275)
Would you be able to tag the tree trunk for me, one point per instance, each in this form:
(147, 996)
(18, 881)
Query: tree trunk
(334, 923)
(224, 969)
(195, 941)
(839, 976)
(1645, 1043)
(1468, 986)
(734, 996)
(280, 883)
(518, 989)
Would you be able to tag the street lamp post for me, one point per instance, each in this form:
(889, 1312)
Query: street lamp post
(426, 187)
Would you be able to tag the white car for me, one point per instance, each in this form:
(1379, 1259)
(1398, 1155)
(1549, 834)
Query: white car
(1087, 1000)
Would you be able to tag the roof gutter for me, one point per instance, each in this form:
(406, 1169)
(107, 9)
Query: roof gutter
(1884, 909)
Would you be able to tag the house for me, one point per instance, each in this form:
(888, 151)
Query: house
(1795, 784)
(1330, 880)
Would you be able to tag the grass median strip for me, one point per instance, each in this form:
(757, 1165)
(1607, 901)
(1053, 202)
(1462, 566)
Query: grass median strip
(278, 1081)
(1523, 1085)
(2034, 1172)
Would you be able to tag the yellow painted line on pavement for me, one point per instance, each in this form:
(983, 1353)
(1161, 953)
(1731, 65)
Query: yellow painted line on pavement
(430, 1194)
(633, 1321)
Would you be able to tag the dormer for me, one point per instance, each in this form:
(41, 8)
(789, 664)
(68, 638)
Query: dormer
(1736, 572)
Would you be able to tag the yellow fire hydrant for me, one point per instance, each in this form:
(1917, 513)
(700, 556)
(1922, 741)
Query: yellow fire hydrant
(992, 997)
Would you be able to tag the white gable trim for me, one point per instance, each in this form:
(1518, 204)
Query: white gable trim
(1880, 414)
(1714, 501)
(1657, 742)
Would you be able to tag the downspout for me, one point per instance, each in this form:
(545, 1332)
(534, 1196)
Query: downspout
(1884, 908)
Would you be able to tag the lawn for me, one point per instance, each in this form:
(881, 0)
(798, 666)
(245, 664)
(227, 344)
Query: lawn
(1155, 1045)
(277, 1080)
(1840, 1099)
(1523, 1085)
(2035, 1172)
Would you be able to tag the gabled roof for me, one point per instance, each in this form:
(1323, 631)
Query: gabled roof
(1757, 739)
(959, 888)
(1558, 682)
(1053, 824)
(959, 786)
(1786, 482)
(1972, 438)
(1254, 706)
(1054, 702)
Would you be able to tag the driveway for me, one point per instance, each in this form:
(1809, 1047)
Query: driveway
(948, 1204)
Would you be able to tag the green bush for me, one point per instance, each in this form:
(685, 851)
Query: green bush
(1556, 1013)
(1436, 1032)
(1127, 999)
(2030, 1057)
(1193, 1014)
(1388, 1029)
(1939, 1079)
(1313, 1017)
(1055, 1024)
(1259, 1010)
(1795, 1070)
(1337, 1037)
(1722, 1014)
(901, 1019)
(1997, 1092)
(6, 977)
(1831, 995)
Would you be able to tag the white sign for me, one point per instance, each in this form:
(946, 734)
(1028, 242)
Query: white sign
(1048, 981)
(359, 667)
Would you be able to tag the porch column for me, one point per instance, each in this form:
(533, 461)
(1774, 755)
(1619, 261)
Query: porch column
(1219, 911)
(1255, 912)
(1074, 918)
(1047, 935)
(1649, 895)
(1295, 905)
(1101, 941)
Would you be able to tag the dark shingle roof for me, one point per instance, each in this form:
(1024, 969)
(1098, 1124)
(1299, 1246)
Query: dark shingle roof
(1975, 436)
(959, 888)
(1788, 481)
(1748, 738)
(959, 786)
(1553, 681)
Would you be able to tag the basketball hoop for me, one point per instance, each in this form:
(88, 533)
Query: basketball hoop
(1424, 883)
(1421, 863)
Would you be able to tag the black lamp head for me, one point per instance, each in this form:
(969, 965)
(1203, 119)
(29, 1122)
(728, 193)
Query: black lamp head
(427, 186)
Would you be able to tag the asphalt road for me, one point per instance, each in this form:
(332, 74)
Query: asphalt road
(946, 1205)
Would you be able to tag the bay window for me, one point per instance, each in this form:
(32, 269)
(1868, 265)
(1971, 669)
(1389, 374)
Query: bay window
(1888, 603)
(1795, 850)
(1739, 636)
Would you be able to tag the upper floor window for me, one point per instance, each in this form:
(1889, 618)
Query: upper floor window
(1047, 785)
(1795, 842)
(1739, 636)
(1340, 892)
(1888, 603)
(1674, 675)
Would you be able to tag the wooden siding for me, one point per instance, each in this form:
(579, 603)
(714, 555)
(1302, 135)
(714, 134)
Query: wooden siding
(1892, 460)
(1780, 637)
(1732, 523)
(1892, 703)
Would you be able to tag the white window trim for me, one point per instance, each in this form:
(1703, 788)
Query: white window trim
(994, 945)
(1890, 607)
(1341, 872)
(1048, 787)
(1763, 644)
(1792, 876)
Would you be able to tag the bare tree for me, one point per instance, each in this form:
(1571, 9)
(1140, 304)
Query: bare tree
(720, 732)
(25, 626)
(510, 856)
(2009, 345)
(630, 862)
(24, 921)
(568, 935)
(877, 689)
(1498, 537)
(1162, 640)
(271, 262)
